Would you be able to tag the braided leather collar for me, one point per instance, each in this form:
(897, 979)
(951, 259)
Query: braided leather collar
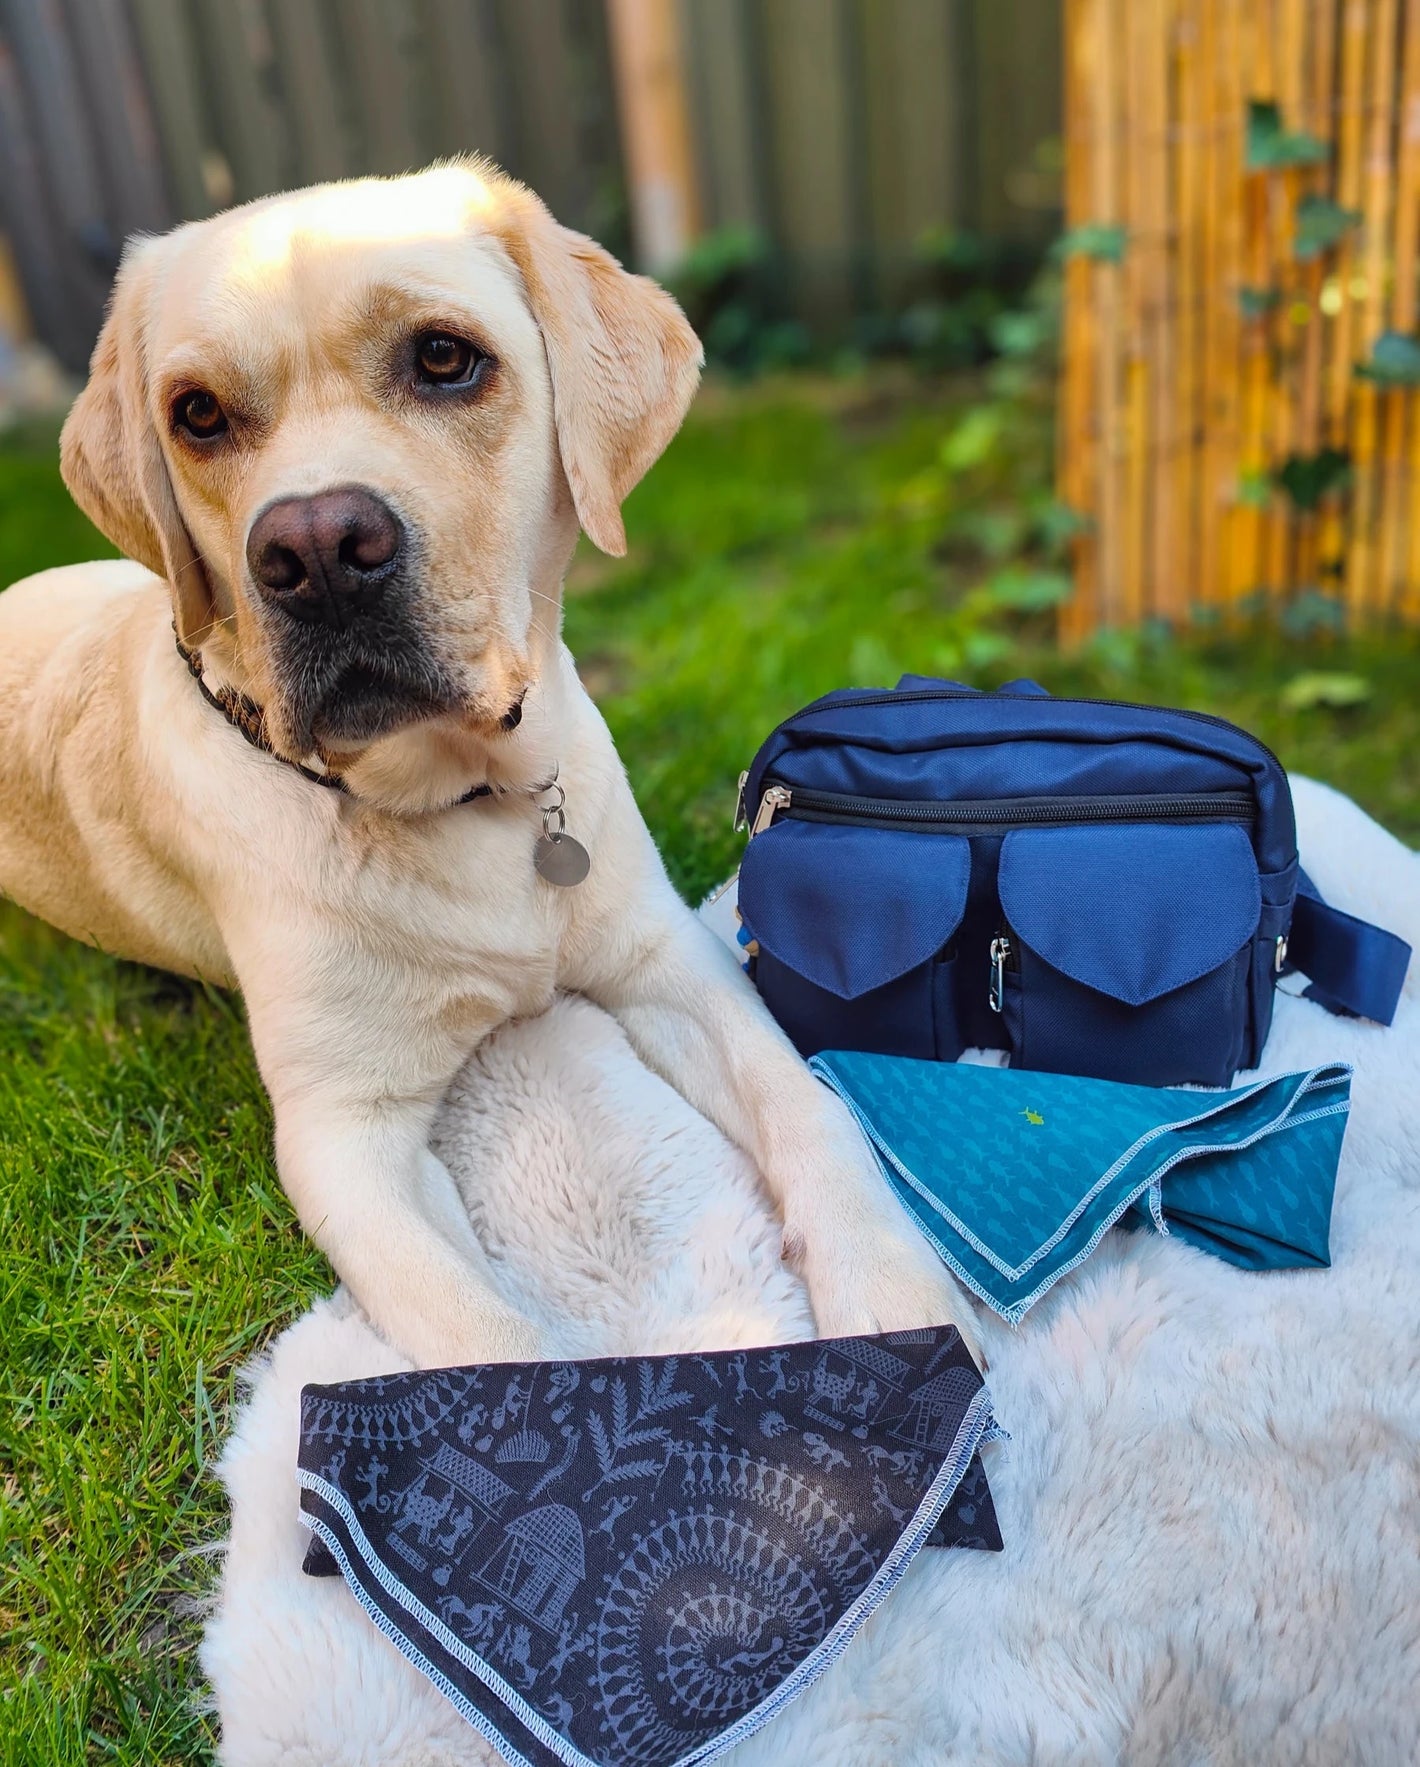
(246, 715)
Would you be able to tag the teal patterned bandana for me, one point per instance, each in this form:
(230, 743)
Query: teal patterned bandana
(1016, 1176)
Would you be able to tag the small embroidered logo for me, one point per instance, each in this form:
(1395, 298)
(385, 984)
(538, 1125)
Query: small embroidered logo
(1032, 1116)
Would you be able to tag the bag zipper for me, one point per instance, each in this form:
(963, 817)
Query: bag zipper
(1002, 952)
(1003, 813)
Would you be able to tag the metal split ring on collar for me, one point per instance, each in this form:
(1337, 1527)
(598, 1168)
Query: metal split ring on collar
(553, 831)
(558, 856)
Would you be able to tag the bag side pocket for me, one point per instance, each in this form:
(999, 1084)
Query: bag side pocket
(854, 927)
(1133, 950)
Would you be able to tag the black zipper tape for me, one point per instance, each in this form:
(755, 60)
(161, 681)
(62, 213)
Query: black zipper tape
(978, 814)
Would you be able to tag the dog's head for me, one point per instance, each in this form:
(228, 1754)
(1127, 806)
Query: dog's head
(356, 428)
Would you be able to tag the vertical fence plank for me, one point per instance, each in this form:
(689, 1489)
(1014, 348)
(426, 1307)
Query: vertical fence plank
(169, 53)
(1337, 288)
(1366, 398)
(1397, 519)
(1289, 63)
(464, 61)
(239, 63)
(1254, 33)
(386, 61)
(1077, 449)
(1318, 118)
(1210, 195)
(1185, 242)
(323, 141)
(1160, 593)
(543, 84)
(655, 129)
(1017, 105)
(913, 55)
(129, 156)
(1107, 209)
(51, 125)
(1225, 366)
(729, 153)
(58, 113)
(65, 315)
(1406, 316)
(1135, 448)
(1349, 171)
(805, 54)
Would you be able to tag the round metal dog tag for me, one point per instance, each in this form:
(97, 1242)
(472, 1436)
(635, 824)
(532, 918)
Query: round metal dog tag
(561, 859)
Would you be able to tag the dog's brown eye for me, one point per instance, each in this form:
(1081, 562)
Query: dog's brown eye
(200, 413)
(444, 360)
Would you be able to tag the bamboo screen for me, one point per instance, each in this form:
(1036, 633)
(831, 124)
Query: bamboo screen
(1239, 415)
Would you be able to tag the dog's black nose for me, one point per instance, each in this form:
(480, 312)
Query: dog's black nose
(326, 557)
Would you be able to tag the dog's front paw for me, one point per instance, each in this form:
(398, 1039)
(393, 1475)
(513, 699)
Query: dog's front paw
(877, 1279)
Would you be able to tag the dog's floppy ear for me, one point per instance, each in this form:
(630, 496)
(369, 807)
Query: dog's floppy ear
(623, 358)
(111, 459)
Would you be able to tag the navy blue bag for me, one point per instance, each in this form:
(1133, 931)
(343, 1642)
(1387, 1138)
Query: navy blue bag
(1100, 888)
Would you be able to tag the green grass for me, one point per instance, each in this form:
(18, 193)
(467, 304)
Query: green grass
(148, 1249)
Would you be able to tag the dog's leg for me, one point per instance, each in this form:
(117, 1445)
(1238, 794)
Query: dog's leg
(691, 1015)
(356, 1067)
(387, 1214)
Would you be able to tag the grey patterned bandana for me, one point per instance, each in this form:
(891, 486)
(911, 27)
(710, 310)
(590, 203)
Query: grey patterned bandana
(641, 1560)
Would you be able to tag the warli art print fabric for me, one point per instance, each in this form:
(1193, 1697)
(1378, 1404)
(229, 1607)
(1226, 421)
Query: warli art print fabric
(641, 1560)
(1015, 1177)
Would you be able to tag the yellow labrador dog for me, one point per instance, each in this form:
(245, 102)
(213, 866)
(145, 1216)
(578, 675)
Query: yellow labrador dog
(347, 438)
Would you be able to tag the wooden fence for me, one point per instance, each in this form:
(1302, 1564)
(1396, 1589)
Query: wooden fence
(842, 130)
(1239, 416)
(839, 129)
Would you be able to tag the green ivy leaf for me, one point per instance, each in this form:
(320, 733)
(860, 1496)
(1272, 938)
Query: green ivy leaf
(1029, 591)
(870, 660)
(1255, 490)
(1320, 224)
(984, 650)
(1256, 303)
(1271, 147)
(1303, 693)
(1058, 524)
(1116, 648)
(1310, 611)
(1307, 478)
(1395, 361)
(998, 532)
(1019, 333)
(1102, 241)
(974, 440)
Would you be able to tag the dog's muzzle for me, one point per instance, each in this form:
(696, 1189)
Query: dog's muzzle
(335, 574)
(326, 559)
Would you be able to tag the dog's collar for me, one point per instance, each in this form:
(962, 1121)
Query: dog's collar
(246, 715)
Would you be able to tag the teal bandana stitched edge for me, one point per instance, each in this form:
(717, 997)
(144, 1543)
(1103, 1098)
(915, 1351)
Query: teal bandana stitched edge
(1015, 1176)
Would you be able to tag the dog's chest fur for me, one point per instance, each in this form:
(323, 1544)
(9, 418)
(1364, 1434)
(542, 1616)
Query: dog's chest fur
(456, 913)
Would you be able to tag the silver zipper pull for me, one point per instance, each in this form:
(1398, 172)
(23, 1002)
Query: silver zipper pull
(741, 814)
(1000, 957)
(775, 799)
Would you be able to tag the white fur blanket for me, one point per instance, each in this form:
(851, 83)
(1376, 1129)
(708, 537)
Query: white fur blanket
(1211, 1502)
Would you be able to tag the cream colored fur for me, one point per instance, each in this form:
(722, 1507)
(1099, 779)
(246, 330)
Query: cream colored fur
(379, 938)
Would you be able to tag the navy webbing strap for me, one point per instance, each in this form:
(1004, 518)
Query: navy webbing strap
(1356, 970)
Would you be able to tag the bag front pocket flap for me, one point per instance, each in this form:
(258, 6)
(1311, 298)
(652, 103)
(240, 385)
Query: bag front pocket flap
(851, 909)
(1134, 910)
